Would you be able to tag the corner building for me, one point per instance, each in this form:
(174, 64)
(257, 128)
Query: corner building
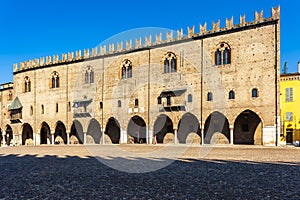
(212, 86)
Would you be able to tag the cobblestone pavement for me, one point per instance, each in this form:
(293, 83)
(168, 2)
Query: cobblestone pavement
(73, 172)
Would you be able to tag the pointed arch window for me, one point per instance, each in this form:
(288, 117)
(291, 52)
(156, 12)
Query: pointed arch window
(223, 54)
(43, 109)
(119, 103)
(126, 69)
(209, 96)
(89, 75)
(231, 94)
(254, 93)
(170, 63)
(27, 84)
(54, 80)
(136, 103)
(31, 110)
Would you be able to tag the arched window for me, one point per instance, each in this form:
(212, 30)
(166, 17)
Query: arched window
(223, 54)
(56, 108)
(231, 95)
(126, 69)
(89, 75)
(226, 56)
(190, 98)
(119, 103)
(218, 57)
(42, 109)
(158, 100)
(54, 80)
(209, 96)
(254, 93)
(69, 106)
(136, 103)
(10, 96)
(170, 63)
(27, 84)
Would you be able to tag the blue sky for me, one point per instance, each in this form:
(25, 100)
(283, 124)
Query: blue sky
(35, 28)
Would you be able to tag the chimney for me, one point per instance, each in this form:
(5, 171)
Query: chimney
(299, 66)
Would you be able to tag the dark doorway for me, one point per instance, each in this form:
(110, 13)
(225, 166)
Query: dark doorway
(60, 134)
(246, 128)
(27, 134)
(163, 126)
(45, 134)
(137, 129)
(289, 136)
(8, 134)
(113, 130)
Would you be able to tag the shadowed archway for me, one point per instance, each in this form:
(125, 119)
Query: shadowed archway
(45, 134)
(217, 123)
(8, 134)
(94, 133)
(76, 135)
(27, 135)
(163, 126)
(189, 129)
(60, 135)
(113, 130)
(137, 129)
(247, 129)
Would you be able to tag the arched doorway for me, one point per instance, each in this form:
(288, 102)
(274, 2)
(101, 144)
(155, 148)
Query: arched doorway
(8, 135)
(27, 135)
(60, 134)
(113, 130)
(217, 125)
(76, 135)
(45, 134)
(163, 129)
(94, 133)
(247, 129)
(189, 129)
(137, 129)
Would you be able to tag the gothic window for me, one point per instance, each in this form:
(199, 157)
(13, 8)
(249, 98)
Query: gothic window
(27, 84)
(43, 109)
(89, 75)
(54, 80)
(10, 96)
(56, 108)
(254, 93)
(231, 95)
(31, 110)
(223, 54)
(69, 106)
(126, 69)
(119, 103)
(209, 96)
(170, 63)
(190, 98)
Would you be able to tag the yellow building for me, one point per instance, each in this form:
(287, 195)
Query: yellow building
(289, 105)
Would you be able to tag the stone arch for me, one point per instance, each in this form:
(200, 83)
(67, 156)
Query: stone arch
(45, 134)
(60, 135)
(137, 129)
(247, 128)
(163, 129)
(216, 127)
(189, 129)
(27, 134)
(8, 134)
(76, 134)
(113, 130)
(94, 132)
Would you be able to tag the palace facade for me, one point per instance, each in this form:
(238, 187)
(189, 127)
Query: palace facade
(211, 86)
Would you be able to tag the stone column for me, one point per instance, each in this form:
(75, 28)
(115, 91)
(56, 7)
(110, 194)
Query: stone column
(103, 136)
(68, 138)
(231, 134)
(124, 137)
(84, 138)
(175, 136)
(202, 136)
(52, 138)
(3, 138)
(150, 134)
